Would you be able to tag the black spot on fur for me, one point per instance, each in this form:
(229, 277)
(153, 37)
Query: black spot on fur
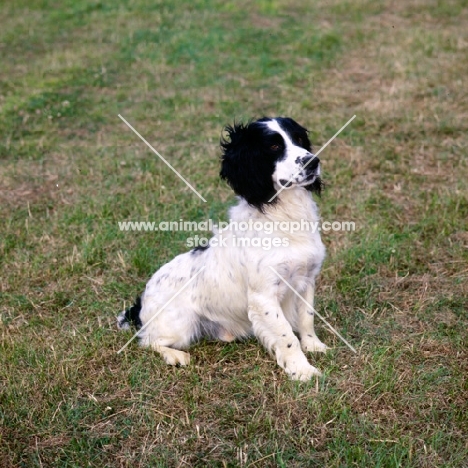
(289, 345)
(200, 248)
(266, 313)
(132, 314)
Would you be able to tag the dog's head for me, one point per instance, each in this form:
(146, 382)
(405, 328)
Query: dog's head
(268, 155)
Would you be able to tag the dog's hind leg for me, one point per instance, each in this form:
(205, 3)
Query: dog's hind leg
(172, 356)
(168, 332)
(165, 346)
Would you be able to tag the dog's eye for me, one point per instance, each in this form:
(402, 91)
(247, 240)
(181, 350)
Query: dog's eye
(299, 141)
(275, 147)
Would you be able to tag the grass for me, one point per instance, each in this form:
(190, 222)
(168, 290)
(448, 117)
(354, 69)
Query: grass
(70, 170)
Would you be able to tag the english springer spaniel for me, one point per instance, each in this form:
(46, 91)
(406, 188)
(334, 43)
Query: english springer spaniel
(231, 290)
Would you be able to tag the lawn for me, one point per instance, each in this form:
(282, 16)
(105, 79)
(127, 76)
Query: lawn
(179, 71)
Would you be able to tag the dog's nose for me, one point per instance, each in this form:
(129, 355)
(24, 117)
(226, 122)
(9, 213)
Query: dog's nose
(311, 161)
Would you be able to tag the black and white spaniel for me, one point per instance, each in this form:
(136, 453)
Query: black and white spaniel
(232, 290)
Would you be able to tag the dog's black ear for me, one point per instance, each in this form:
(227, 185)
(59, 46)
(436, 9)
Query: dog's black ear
(246, 165)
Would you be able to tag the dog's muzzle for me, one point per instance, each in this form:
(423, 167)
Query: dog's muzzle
(306, 174)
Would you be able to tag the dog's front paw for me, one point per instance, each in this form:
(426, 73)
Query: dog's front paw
(302, 372)
(312, 344)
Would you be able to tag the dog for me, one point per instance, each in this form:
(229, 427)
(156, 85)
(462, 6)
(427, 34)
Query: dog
(230, 290)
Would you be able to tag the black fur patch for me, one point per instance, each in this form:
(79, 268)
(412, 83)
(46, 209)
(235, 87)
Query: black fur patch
(200, 248)
(248, 162)
(132, 314)
(316, 187)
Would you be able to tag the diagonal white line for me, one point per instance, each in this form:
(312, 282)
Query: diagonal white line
(335, 135)
(160, 157)
(160, 310)
(316, 154)
(315, 312)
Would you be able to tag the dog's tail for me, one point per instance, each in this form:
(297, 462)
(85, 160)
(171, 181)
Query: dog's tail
(130, 316)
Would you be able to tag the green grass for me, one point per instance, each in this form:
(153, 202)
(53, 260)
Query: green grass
(70, 170)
